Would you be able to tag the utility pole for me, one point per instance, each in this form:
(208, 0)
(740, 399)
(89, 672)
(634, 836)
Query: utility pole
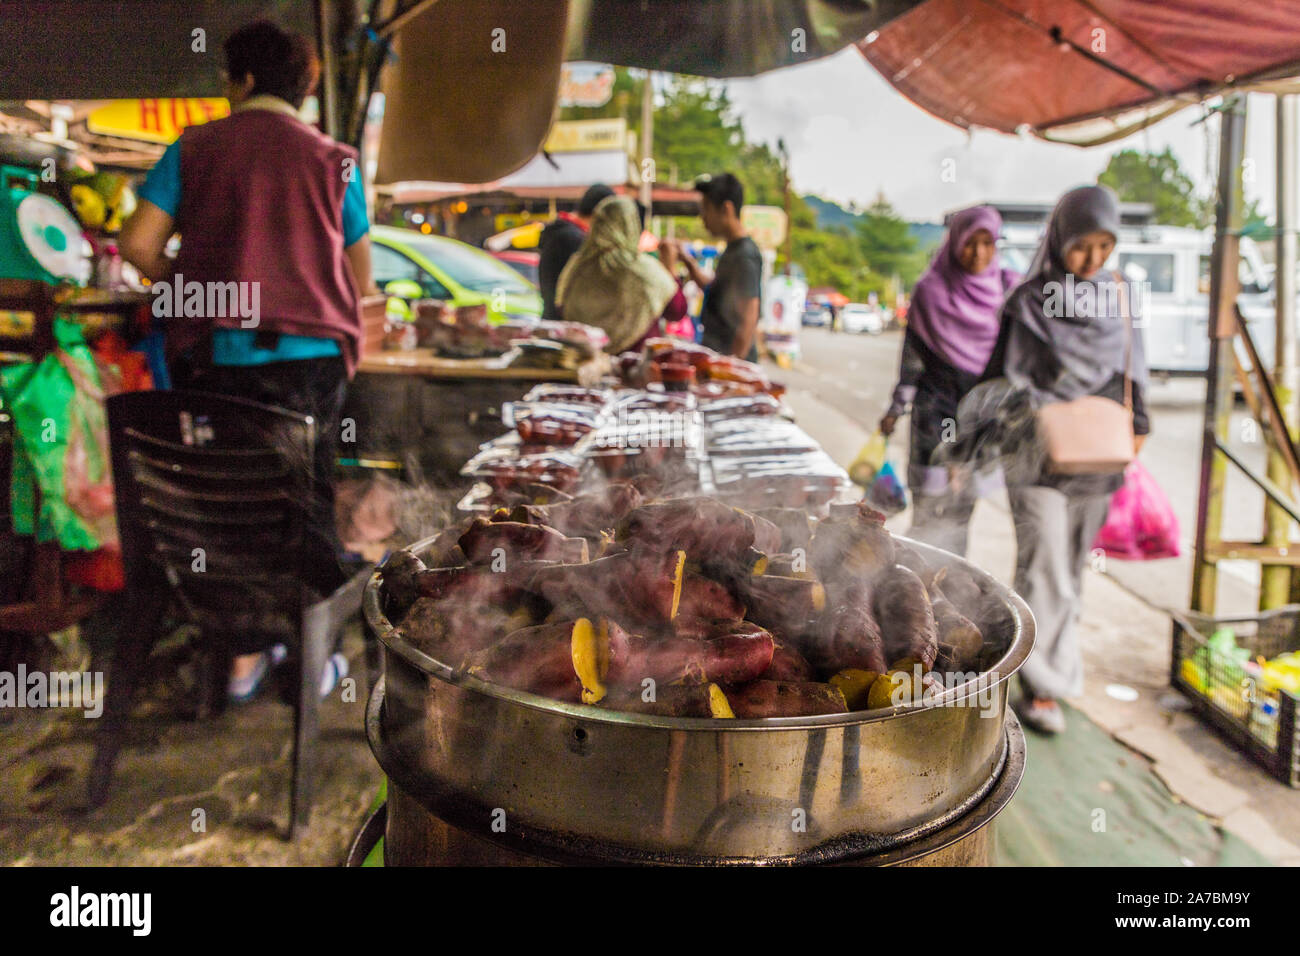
(647, 143)
(785, 177)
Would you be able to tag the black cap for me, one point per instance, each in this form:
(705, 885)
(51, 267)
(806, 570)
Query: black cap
(592, 198)
(720, 188)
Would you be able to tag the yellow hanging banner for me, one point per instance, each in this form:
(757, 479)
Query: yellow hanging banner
(156, 120)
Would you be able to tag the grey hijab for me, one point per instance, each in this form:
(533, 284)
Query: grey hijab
(1078, 325)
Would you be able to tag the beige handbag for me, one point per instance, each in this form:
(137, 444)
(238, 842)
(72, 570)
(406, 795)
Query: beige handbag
(1091, 435)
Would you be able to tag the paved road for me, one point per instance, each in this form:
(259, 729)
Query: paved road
(842, 383)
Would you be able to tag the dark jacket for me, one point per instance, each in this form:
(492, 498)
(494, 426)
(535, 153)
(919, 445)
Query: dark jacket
(558, 242)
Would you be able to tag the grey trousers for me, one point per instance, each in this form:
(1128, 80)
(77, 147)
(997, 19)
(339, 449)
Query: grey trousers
(942, 520)
(1054, 535)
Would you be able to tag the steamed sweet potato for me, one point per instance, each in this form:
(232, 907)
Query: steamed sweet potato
(910, 558)
(855, 684)
(398, 578)
(585, 516)
(705, 528)
(902, 607)
(486, 540)
(788, 665)
(480, 584)
(784, 565)
(850, 549)
(449, 631)
(767, 535)
(958, 635)
(537, 659)
(671, 700)
(770, 698)
(793, 523)
(707, 599)
(785, 605)
(849, 636)
(638, 585)
(958, 585)
(739, 653)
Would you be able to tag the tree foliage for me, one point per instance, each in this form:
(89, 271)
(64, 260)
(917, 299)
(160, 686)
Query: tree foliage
(696, 131)
(1156, 178)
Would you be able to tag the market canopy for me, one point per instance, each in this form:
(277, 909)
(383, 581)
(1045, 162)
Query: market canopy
(1053, 64)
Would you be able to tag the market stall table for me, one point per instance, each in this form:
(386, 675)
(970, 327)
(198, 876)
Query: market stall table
(416, 405)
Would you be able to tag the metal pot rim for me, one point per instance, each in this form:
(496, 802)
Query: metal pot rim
(1021, 644)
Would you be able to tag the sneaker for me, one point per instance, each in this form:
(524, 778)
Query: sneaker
(336, 668)
(1044, 716)
(243, 689)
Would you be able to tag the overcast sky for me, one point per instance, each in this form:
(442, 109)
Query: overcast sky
(850, 135)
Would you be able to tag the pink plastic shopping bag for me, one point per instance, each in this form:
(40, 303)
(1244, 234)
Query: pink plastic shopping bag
(1141, 524)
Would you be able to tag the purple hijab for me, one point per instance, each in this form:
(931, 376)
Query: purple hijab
(955, 313)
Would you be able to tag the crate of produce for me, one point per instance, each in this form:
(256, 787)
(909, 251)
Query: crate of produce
(1242, 676)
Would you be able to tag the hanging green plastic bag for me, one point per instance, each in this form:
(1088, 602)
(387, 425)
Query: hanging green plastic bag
(870, 460)
(61, 446)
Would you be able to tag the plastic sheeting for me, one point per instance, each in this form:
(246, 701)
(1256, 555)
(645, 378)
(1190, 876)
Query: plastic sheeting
(1047, 63)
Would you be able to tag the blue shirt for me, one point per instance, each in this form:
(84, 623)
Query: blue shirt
(162, 187)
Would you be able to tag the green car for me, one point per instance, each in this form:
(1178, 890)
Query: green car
(410, 265)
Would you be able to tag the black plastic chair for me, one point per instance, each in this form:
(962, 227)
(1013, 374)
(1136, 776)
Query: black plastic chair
(212, 496)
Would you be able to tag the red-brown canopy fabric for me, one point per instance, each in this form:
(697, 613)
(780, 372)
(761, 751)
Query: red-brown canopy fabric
(1003, 64)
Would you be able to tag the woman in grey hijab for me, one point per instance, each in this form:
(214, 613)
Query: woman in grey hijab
(1066, 332)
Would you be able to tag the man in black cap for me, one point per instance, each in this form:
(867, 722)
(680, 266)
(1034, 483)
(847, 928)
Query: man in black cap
(560, 240)
(733, 293)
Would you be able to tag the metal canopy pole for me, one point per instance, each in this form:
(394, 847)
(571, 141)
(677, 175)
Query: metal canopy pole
(1224, 285)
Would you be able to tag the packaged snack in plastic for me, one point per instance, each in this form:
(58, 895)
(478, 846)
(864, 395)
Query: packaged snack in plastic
(809, 481)
(568, 394)
(755, 437)
(739, 406)
(544, 423)
(503, 466)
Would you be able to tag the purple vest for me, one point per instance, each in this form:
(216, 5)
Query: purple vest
(262, 201)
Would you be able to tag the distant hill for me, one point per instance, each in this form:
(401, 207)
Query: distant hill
(831, 214)
(928, 234)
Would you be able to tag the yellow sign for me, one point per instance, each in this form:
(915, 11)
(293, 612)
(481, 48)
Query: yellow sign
(157, 120)
(765, 225)
(575, 136)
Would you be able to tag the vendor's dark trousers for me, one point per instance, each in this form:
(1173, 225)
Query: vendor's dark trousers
(314, 387)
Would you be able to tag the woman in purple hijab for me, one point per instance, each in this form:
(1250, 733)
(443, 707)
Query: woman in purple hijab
(952, 326)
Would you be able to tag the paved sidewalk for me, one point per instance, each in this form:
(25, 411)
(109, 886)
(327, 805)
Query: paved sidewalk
(1126, 642)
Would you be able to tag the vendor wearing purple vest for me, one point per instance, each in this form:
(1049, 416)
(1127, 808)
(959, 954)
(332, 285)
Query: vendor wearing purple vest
(263, 200)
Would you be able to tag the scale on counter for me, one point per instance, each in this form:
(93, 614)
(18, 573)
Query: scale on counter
(39, 238)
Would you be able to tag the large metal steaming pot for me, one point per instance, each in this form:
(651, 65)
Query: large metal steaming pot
(553, 780)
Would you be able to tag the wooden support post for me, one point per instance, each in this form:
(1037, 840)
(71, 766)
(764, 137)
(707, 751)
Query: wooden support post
(1224, 285)
(1275, 579)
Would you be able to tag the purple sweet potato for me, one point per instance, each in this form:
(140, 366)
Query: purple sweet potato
(787, 606)
(788, 665)
(849, 636)
(707, 599)
(902, 606)
(851, 549)
(486, 540)
(770, 698)
(671, 700)
(641, 586)
(705, 528)
(739, 652)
